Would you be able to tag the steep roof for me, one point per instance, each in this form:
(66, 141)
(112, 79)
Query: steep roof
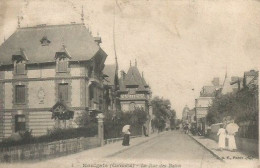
(133, 78)
(227, 87)
(78, 41)
(110, 70)
(208, 91)
(251, 73)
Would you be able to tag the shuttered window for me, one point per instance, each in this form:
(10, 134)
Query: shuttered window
(63, 91)
(62, 65)
(20, 68)
(20, 123)
(20, 94)
(91, 92)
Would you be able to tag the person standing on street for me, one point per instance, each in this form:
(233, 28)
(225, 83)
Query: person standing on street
(232, 128)
(126, 131)
(221, 138)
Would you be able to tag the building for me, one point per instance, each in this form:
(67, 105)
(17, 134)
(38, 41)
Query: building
(128, 92)
(47, 69)
(109, 88)
(134, 92)
(250, 78)
(185, 112)
(202, 103)
(191, 116)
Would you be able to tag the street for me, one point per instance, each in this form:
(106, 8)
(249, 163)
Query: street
(173, 145)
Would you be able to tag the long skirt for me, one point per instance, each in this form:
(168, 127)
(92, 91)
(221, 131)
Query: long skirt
(222, 141)
(231, 142)
(126, 140)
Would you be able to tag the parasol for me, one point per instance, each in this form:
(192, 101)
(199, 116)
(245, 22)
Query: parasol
(126, 128)
(232, 128)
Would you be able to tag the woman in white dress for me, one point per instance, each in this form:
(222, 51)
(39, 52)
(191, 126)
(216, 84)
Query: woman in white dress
(231, 140)
(221, 138)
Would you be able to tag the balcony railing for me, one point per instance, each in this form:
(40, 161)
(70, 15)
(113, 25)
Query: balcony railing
(94, 106)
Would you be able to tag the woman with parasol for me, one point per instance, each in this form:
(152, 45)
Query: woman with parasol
(222, 137)
(126, 132)
(232, 128)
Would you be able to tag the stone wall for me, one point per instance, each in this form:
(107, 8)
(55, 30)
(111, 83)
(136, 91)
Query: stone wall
(47, 150)
(245, 145)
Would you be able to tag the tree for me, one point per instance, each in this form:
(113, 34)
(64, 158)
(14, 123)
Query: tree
(162, 112)
(242, 107)
(113, 124)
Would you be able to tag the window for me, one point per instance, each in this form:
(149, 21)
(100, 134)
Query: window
(63, 92)
(91, 92)
(20, 68)
(132, 106)
(132, 91)
(62, 65)
(20, 123)
(44, 41)
(20, 94)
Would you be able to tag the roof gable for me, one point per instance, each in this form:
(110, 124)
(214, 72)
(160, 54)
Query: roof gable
(133, 78)
(110, 70)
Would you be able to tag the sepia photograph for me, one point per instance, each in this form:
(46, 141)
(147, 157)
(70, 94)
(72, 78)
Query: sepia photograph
(129, 83)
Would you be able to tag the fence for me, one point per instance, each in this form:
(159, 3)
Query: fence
(247, 145)
(47, 150)
(113, 140)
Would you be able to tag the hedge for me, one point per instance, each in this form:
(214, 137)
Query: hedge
(52, 135)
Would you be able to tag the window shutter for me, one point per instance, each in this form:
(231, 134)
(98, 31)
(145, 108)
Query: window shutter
(20, 94)
(63, 92)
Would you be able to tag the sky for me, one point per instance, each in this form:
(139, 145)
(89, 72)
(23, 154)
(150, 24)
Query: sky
(180, 45)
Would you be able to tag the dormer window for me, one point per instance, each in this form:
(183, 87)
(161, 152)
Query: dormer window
(20, 68)
(62, 60)
(62, 65)
(19, 59)
(44, 41)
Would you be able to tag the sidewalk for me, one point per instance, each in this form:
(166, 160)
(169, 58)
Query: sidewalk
(95, 155)
(224, 155)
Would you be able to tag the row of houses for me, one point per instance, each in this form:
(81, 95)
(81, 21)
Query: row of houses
(50, 69)
(233, 84)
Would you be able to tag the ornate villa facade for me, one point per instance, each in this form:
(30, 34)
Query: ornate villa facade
(49, 68)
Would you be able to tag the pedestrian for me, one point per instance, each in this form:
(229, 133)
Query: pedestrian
(126, 131)
(232, 128)
(144, 131)
(221, 138)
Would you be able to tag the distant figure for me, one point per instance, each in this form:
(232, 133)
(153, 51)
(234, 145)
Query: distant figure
(144, 130)
(221, 138)
(126, 131)
(186, 129)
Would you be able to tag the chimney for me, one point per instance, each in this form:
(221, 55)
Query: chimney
(215, 81)
(98, 40)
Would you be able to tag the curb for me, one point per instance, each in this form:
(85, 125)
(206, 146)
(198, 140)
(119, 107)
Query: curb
(125, 149)
(205, 147)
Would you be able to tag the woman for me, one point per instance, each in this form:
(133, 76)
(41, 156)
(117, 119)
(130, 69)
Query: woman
(126, 139)
(221, 138)
(231, 137)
